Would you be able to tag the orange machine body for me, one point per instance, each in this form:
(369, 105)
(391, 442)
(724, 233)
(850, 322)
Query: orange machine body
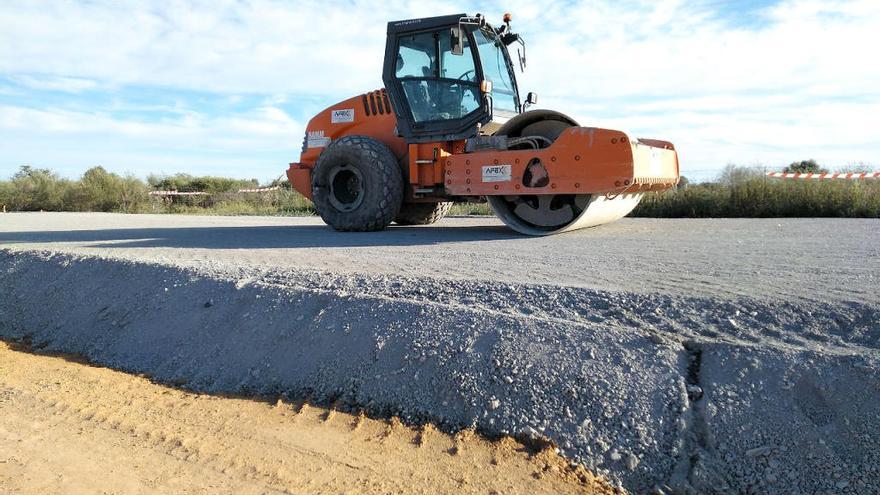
(583, 160)
(367, 115)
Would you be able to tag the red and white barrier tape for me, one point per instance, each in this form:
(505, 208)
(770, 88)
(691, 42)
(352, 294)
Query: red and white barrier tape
(175, 193)
(202, 193)
(826, 176)
(260, 189)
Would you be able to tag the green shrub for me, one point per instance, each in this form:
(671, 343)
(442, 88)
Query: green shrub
(189, 183)
(805, 166)
(34, 189)
(6, 189)
(99, 190)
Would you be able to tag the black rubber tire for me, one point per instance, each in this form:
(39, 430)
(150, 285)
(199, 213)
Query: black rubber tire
(380, 183)
(422, 213)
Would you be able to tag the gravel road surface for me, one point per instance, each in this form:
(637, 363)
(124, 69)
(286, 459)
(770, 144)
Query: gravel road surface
(820, 259)
(678, 356)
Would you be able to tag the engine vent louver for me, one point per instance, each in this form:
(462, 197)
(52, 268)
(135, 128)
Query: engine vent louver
(385, 99)
(373, 103)
(376, 103)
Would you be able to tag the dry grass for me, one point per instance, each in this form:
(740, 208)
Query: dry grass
(740, 192)
(764, 197)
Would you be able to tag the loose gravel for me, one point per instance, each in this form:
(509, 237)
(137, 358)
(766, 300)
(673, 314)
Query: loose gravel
(659, 390)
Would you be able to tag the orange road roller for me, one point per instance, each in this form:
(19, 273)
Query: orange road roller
(450, 126)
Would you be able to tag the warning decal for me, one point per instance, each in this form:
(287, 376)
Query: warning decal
(316, 139)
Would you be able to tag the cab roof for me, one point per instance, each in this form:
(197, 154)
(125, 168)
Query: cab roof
(395, 27)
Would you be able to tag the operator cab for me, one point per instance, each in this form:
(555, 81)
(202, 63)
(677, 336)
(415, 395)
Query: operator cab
(448, 76)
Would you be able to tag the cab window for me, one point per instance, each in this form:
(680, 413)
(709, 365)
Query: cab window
(415, 58)
(437, 84)
(495, 69)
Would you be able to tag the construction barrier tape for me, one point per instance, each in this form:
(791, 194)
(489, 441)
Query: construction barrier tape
(175, 193)
(201, 193)
(260, 189)
(826, 176)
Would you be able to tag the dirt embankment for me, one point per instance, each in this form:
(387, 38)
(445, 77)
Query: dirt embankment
(683, 356)
(68, 427)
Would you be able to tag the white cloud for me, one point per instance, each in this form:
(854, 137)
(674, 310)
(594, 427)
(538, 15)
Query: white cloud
(790, 81)
(258, 143)
(259, 47)
(797, 84)
(263, 123)
(55, 83)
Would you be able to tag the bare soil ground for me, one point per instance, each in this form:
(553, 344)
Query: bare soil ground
(68, 427)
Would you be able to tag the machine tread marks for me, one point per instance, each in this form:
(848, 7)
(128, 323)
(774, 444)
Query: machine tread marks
(422, 213)
(383, 184)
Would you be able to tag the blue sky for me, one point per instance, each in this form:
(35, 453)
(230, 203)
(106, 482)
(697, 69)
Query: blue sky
(226, 87)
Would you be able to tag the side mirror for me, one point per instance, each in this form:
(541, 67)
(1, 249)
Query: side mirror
(457, 41)
(531, 99)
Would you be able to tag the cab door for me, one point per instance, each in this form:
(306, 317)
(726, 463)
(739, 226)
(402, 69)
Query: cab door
(435, 92)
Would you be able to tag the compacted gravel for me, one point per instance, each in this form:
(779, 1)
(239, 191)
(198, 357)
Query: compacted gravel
(677, 356)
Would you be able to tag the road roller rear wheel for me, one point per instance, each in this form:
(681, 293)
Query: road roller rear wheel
(357, 185)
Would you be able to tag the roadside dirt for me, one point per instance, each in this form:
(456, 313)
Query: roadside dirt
(69, 427)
